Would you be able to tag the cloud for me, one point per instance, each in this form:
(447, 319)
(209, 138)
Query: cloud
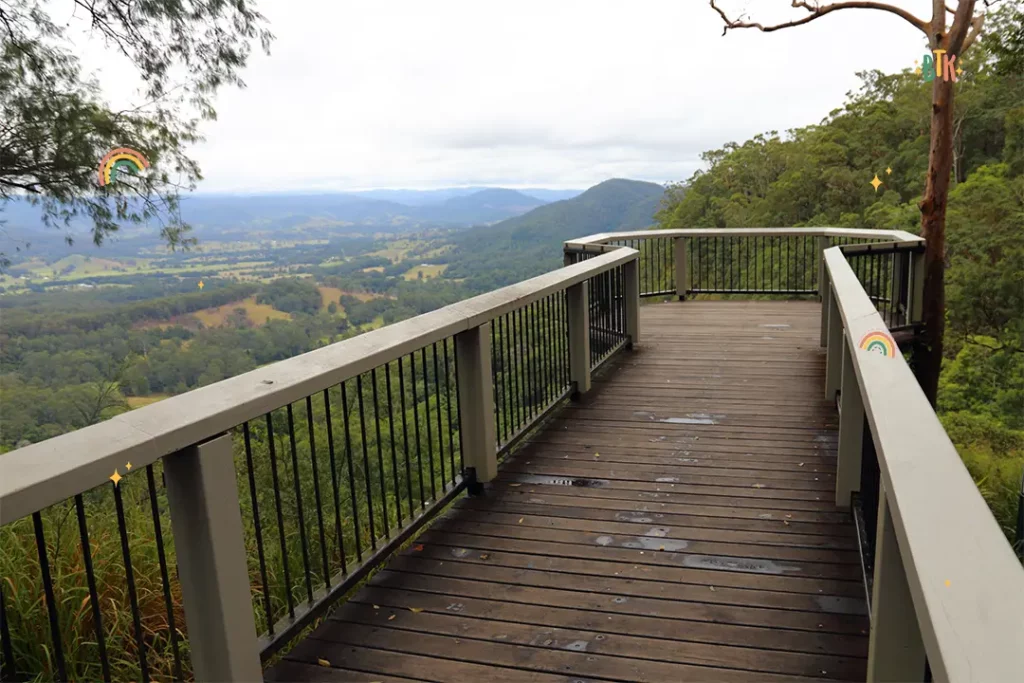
(394, 93)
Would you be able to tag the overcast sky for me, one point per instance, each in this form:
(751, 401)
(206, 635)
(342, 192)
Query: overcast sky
(360, 94)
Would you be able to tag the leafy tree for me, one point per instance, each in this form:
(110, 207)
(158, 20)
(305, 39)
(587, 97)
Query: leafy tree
(954, 38)
(55, 126)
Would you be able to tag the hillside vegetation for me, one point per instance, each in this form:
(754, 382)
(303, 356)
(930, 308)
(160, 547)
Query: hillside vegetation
(820, 176)
(527, 245)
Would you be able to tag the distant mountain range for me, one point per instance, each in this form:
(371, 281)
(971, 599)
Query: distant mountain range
(387, 210)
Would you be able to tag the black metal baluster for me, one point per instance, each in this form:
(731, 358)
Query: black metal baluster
(448, 404)
(458, 407)
(430, 436)
(566, 370)
(496, 372)
(416, 427)
(158, 536)
(257, 526)
(334, 482)
(94, 600)
(508, 375)
(51, 601)
(530, 313)
(380, 455)
(280, 516)
(517, 374)
(394, 458)
(437, 412)
(549, 365)
(366, 464)
(129, 573)
(351, 470)
(298, 504)
(405, 436)
(316, 491)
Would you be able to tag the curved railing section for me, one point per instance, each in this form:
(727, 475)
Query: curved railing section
(767, 262)
(275, 492)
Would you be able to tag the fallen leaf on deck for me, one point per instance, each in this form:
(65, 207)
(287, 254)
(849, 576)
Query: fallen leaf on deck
(712, 588)
(323, 662)
(417, 610)
(376, 607)
(417, 548)
(661, 547)
(515, 484)
(391, 617)
(758, 486)
(521, 519)
(801, 465)
(484, 556)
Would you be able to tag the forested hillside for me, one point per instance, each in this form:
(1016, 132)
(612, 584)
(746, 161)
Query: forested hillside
(820, 175)
(530, 244)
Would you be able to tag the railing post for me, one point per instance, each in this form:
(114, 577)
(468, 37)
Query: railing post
(476, 403)
(895, 649)
(833, 348)
(823, 243)
(682, 275)
(207, 524)
(851, 432)
(917, 271)
(631, 299)
(899, 277)
(578, 309)
(826, 295)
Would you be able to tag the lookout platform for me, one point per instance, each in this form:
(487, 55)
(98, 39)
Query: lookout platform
(676, 524)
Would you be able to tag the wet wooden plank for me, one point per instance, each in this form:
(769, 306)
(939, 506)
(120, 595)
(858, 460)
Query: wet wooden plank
(676, 524)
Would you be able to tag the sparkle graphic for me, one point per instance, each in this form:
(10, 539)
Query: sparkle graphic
(876, 182)
(959, 72)
(888, 171)
(116, 478)
(128, 467)
(201, 285)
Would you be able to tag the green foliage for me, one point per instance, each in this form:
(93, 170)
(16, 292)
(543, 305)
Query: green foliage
(56, 126)
(820, 176)
(291, 296)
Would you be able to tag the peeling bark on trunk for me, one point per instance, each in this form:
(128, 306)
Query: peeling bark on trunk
(933, 229)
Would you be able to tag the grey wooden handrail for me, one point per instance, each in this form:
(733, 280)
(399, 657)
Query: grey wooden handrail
(946, 583)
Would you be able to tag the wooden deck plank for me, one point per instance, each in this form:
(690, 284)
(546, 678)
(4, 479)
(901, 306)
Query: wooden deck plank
(676, 524)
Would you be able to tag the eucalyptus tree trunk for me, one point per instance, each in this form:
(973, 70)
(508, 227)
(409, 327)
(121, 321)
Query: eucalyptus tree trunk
(928, 364)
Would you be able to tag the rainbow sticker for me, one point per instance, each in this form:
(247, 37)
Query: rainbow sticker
(118, 159)
(878, 342)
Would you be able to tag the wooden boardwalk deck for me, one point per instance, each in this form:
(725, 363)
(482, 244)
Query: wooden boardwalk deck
(676, 525)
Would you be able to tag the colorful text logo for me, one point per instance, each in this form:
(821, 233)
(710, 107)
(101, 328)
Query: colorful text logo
(878, 342)
(118, 160)
(943, 64)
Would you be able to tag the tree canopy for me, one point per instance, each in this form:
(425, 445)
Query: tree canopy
(55, 125)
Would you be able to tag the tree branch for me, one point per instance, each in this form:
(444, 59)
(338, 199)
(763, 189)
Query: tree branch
(817, 11)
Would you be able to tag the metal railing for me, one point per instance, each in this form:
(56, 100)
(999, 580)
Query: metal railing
(275, 492)
(747, 261)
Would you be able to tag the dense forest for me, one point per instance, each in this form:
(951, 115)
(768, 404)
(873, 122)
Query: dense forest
(820, 176)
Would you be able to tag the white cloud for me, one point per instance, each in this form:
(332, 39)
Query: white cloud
(557, 93)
